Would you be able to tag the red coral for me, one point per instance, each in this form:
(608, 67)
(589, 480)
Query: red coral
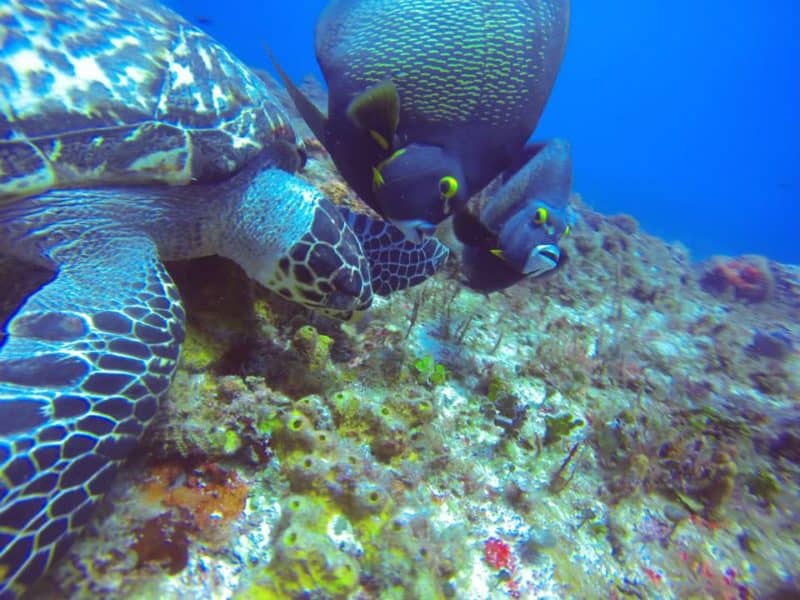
(161, 541)
(748, 277)
(498, 554)
(207, 498)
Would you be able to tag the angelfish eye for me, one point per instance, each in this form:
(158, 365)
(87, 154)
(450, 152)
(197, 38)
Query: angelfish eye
(540, 216)
(448, 187)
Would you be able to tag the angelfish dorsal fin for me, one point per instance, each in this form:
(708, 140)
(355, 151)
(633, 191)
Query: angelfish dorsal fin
(377, 110)
(314, 117)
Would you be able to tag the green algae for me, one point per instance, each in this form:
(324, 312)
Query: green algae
(200, 350)
(559, 426)
(429, 371)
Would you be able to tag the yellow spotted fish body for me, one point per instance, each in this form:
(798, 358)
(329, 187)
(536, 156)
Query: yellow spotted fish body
(470, 75)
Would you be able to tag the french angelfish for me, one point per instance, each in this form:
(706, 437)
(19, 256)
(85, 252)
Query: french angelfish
(517, 232)
(429, 100)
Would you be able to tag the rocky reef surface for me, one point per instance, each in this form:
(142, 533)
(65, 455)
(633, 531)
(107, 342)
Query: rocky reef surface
(626, 427)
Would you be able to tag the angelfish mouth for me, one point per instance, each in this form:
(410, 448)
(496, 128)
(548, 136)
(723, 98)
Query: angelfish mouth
(543, 258)
(415, 231)
(551, 253)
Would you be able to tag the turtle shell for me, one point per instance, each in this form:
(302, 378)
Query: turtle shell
(117, 92)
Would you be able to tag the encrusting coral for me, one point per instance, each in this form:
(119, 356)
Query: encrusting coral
(747, 277)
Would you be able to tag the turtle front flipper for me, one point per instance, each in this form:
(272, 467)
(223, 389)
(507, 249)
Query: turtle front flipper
(395, 262)
(86, 361)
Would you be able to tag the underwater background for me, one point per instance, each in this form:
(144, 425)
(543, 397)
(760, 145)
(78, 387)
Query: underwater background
(682, 114)
(627, 426)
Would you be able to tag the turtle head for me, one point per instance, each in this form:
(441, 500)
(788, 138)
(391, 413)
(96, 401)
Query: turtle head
(326, 269)
(418, 187)
(291, 239)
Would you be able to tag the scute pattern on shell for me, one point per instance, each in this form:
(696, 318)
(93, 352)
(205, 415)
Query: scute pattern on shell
(155, 100)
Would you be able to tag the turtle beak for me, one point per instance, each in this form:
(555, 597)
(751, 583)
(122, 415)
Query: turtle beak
(543, 258)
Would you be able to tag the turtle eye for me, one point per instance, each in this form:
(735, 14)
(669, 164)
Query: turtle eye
(448, 187)
(540, 216)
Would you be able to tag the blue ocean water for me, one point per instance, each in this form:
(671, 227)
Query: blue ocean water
(683, 114)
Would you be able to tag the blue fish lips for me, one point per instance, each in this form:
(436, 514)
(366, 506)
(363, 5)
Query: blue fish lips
(529, 239)
(415, 230)
(543, 258)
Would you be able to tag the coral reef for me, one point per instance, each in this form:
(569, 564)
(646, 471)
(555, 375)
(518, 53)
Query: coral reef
(627, 426)
(339, 493)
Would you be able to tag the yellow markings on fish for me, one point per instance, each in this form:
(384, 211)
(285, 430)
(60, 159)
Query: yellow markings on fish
(377, 178)
(379, 139)
(448, 186)
(395, 154)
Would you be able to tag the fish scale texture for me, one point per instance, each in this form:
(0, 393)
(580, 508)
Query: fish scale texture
(485, 62)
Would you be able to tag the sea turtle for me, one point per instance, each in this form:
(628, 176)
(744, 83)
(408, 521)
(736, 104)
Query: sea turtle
(128, 137)
(430, 100)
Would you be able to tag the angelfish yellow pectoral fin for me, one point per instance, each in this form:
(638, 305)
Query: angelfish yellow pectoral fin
(379, 139)
(377, 110)
(497, 252)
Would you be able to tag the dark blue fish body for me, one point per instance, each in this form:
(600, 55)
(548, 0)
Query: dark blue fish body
(517, 231)
(463, 83)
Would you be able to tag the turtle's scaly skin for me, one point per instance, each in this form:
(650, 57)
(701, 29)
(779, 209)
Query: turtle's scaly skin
(77, 388)
(395, 262)
(105, 104)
